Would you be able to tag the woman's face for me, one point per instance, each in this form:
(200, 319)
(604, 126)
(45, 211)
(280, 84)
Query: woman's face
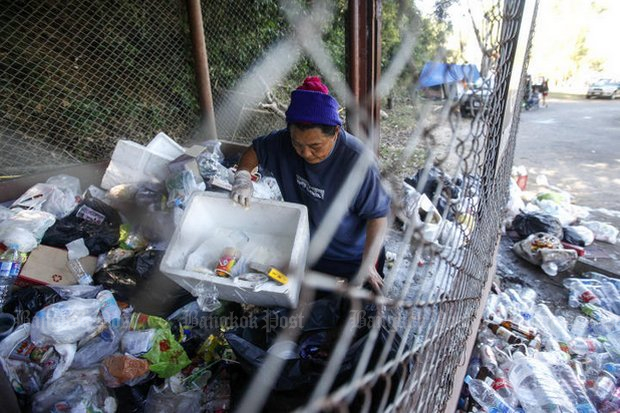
(311, 144)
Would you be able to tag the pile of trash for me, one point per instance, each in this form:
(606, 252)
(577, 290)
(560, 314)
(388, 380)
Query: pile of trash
(551, 232)
(439, 208)
(79, 268)
(528, 359)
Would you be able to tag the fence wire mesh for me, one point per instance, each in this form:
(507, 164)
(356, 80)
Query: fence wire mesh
(400, 349)
(76, 76)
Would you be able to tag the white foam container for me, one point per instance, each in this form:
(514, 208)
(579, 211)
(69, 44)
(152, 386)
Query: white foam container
(133, 163)
(278, 232)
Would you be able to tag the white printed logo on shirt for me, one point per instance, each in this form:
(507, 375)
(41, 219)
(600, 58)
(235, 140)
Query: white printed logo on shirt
(313, 191)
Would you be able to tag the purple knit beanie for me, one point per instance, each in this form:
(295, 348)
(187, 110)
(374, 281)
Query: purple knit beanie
(311, 103)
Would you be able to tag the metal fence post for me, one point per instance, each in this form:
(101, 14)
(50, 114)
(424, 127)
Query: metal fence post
(201, 69)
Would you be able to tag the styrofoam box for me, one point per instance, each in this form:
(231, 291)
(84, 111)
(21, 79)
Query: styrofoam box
(132, 162)
(274, 233)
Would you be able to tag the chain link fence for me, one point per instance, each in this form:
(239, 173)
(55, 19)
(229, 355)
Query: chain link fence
(76, 79)
(76, 76)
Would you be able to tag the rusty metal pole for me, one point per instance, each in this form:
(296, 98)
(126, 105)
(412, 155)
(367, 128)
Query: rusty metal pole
(364, 62)
(201, 69)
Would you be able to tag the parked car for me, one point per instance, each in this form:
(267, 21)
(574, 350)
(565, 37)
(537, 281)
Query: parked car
(608, 89)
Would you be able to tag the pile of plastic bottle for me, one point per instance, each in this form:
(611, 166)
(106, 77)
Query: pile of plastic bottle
(527, 359)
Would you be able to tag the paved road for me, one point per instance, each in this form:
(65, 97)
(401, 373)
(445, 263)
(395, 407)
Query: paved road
(576, 144)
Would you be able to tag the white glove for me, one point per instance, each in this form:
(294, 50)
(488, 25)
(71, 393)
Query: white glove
(242, 188)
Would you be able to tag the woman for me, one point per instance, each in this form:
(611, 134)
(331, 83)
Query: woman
(311, 160)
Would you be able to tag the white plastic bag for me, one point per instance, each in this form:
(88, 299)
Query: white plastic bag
(65, 322)
(137, 343)
(56, 200)
(25, 229)
(584, 232)
(602, 231)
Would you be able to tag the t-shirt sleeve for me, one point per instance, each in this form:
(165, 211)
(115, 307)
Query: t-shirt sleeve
(267, 149)
(372, 200)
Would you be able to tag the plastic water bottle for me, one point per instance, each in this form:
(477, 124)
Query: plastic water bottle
(487, 397)
(580, 326)
(569, 381)
(536, 387)
(603, 387)
(581, 346)
(546, 320)
(80, 274)
(109, 309)
(613, 369)
(10, 265)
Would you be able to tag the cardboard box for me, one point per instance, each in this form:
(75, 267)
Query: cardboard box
(48, 266)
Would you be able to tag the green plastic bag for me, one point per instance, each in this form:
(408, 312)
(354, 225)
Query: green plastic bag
(167, 357)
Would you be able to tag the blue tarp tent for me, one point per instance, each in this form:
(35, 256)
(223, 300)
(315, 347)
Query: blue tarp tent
(435, 74)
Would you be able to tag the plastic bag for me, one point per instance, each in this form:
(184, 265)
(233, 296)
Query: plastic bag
(209, 159)
(26, 228)
(578, 235)
(602, 231)
(167, 357)
(94, 351)
(92, 220)
(180, 186)
(121, 369)
(124, 277)
(77, 390)
(564, 215)
(51, 197)
(164, 400)
(267, 188)
(515, 203)
(137, 343)
(26, 302)
(557, 260)
(67, 353)
(65, 322)
(526, 224)
(300, 374)
(529, 248)
(77, 291)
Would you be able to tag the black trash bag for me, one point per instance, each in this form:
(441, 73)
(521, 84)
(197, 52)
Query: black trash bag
(93, 220)
(26, 302)
(319, 334)
(573, 237)
(450, 189)
(124, 277)
(528, 223)
(132, 399)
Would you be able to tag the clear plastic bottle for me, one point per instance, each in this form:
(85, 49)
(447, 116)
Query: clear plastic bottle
(603, 387)
(581, 293)
(546, 320)
(487, 397)
(580, 326)
(569, 381)
(536, 387)
(581, 346)
(80, 274)
(613, 369)
(10, 265)
(109, 309)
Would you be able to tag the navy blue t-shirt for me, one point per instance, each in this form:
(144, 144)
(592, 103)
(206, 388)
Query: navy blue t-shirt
(316, 186)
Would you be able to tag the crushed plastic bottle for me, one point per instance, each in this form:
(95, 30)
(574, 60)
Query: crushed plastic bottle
(536, 387)
(488, 398)
(580, 326)
(10, 265)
